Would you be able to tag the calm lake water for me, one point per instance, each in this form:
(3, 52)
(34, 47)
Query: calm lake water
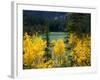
(55, 35)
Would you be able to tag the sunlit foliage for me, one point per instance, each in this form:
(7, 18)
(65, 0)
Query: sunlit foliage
(81, 50)
(34, 49)
(58, 53)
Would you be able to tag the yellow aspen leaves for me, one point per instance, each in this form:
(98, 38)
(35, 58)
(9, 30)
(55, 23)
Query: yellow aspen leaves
(81, 51)
(34, 49)
(59, 47)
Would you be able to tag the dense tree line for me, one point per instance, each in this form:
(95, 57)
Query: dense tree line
(74, 22)
(79, 23)
(42, 25)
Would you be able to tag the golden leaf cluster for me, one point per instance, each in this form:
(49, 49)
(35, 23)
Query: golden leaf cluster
(81, 50)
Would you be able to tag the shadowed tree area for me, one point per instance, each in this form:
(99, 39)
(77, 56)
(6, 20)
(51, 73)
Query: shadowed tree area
(41, 21)
(79, 23)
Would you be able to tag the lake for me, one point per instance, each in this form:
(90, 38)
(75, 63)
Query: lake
(55, 35)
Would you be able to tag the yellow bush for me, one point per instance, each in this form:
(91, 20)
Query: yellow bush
(34, 49)
(59, 47)
(81, 51)
(73, 39)
(58, 53)
(48, 64)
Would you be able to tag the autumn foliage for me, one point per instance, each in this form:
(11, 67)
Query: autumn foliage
(81, 50)
(34, 50)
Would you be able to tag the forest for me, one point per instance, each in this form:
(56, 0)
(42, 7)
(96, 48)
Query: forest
(56, 39)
